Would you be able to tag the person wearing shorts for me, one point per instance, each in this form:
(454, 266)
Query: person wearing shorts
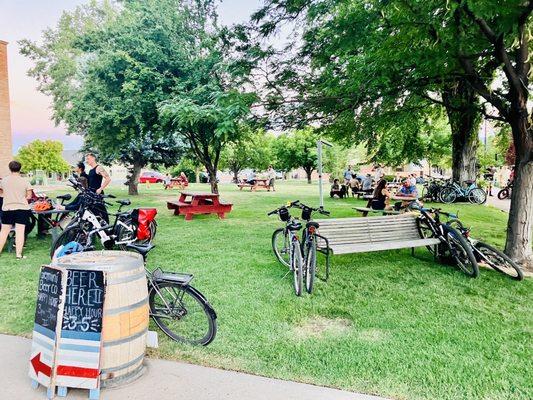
(15, 190)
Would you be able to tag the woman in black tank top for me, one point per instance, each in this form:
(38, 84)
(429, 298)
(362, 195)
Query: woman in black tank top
(379, 201)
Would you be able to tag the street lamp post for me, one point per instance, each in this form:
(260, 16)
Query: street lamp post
(319, 145)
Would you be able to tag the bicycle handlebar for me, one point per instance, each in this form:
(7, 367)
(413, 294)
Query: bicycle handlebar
(297, 204)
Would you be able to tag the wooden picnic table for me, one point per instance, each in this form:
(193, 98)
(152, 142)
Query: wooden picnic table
(191, 203)
(404, 198)
(176, 183)
(259, 184)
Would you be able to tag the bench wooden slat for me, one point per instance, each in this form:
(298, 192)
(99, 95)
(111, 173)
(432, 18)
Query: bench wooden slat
(394, 245)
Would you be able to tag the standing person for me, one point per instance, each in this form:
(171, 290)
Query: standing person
(16, 191)
(347, 175)
(98, 178)
(412, 179)
(378, 172)
(367, 184)
(271, 175)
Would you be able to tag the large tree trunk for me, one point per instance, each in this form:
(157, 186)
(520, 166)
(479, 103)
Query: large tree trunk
(133, 179)
(236, 175)
(459, 99)
(212, 178)
(520, 223)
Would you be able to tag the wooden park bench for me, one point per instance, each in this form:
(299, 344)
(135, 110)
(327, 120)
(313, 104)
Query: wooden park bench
(364, 234)
(259, 184)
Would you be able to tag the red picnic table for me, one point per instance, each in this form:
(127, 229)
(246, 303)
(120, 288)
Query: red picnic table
(191, 203)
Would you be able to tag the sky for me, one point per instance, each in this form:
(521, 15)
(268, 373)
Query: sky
(26, 19)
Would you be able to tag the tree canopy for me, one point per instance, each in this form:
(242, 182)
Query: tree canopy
(45, 155)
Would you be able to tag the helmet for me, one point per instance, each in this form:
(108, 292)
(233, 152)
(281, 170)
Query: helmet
(41, 205)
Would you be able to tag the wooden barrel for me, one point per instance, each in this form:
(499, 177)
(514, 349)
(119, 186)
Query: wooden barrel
(126, 311)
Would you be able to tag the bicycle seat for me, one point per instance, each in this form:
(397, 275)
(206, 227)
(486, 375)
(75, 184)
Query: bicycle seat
(295, 226)
(312, 224)
(470, 182)
(124, 202)
(142, 249)
(65, 197)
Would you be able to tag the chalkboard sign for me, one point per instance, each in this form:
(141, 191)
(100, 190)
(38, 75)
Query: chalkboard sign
(84, 301)
(49, 298)
(48, 316)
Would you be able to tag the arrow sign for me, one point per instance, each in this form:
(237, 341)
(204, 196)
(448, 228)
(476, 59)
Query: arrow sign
(39, 366)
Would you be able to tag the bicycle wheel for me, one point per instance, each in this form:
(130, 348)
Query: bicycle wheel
(73, 233)
(498, 260)
(310, 265)
(503, 194)
(425, 232)
(182, 313)
(297, 267)
(448, 195)
(461, 251)
(477, 196)
(280, 246)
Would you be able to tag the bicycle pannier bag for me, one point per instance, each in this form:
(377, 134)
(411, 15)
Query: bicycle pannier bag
(144, 216)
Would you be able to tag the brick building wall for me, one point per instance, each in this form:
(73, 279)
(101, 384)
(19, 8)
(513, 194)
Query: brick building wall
(6, 147)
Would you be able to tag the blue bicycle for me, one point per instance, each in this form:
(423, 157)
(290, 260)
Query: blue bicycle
(472, 192)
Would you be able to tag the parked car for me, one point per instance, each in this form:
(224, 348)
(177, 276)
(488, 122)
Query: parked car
(151, 177)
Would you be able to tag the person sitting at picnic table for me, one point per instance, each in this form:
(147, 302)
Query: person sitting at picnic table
(367, 184)
(355, 185)
(15, 191)
(380, 199)
(409, 191)
(183, 179)
(271, 175)
(251, 178)
(337, 189)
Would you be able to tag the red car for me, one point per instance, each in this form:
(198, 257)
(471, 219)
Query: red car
(151, 177)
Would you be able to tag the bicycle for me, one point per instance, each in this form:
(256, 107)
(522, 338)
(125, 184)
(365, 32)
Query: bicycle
(453, 244)
(289, 252)
(472, 192)
(309, 244)
(191, 321)
(431, 190)
(489, 255)
(505, 192)
(92, 216)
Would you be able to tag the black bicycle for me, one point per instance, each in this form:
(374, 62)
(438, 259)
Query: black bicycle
(310, 238)
(453, 246)
(505, 192)
(92, 217)
(287, 247)
(489, 255)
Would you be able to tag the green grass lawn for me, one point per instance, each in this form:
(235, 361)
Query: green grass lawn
(386, 323)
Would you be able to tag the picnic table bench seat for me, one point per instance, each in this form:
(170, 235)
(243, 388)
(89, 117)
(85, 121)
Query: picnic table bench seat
(365, 234)
(366, 210)
(259, 184)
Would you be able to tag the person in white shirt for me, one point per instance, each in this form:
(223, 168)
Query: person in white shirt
(15, 191)
(412, 180)
(378, 173)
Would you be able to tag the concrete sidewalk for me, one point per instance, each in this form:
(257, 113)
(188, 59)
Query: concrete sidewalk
(164, 380)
